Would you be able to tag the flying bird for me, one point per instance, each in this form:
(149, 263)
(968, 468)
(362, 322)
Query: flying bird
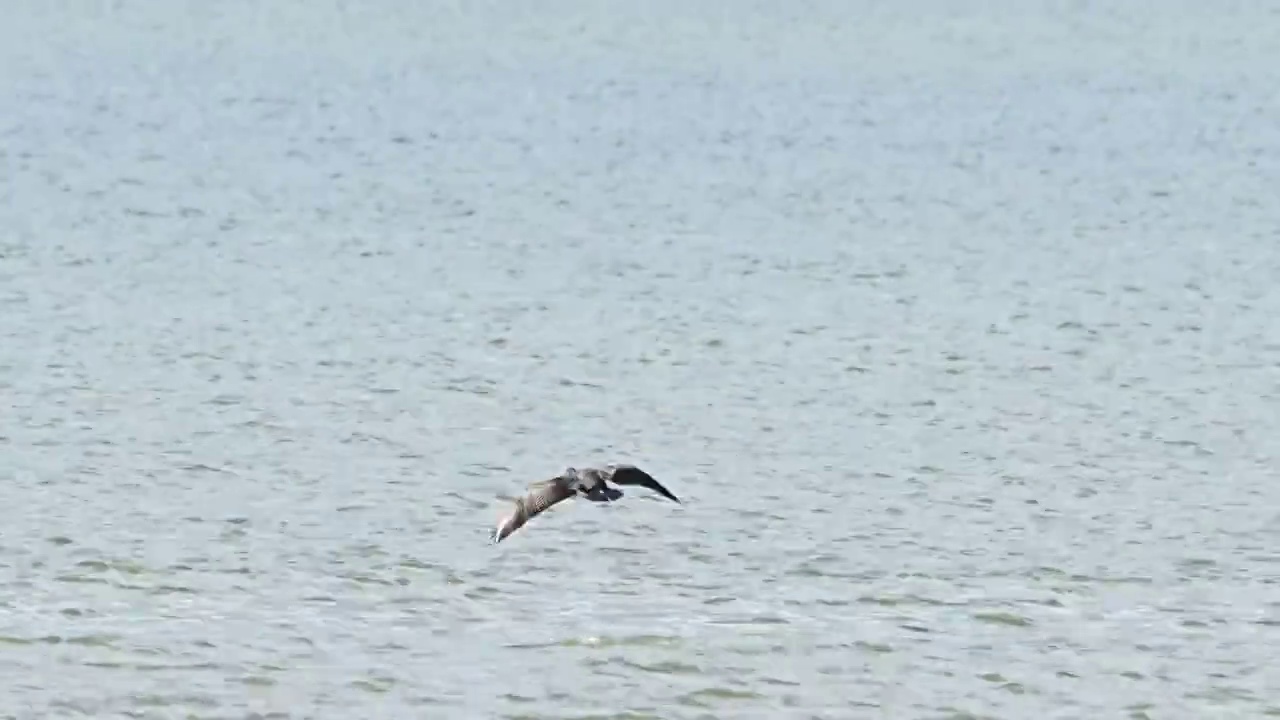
(590, 483)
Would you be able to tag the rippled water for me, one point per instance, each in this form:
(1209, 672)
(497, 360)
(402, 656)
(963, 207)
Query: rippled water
(954, 328)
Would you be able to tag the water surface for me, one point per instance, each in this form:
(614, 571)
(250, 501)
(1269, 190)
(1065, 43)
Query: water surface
(953, 327)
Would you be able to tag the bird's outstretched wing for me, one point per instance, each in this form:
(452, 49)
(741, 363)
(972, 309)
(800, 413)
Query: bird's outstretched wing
(632, 475)
(546, 493)
(541, 495)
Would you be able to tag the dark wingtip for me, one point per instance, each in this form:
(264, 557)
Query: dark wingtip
(642, 478)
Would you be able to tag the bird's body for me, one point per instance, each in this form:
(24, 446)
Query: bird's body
(591, 483)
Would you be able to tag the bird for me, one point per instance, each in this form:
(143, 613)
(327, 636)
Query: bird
(590, 483)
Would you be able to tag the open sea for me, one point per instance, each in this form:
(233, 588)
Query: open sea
(955, 326)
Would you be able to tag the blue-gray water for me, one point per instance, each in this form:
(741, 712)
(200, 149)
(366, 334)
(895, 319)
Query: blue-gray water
(953, 324)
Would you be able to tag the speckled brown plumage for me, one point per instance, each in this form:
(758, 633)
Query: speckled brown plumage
(591, 483)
